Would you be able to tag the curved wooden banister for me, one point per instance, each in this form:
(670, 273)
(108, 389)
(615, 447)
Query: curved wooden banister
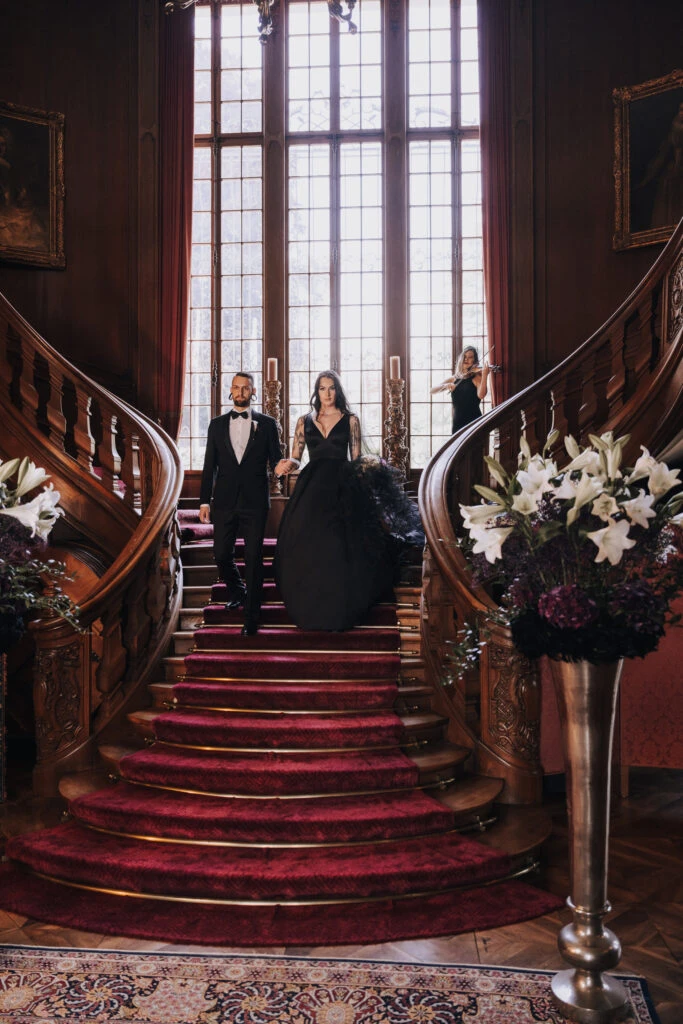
(119, 476)
(627, 377)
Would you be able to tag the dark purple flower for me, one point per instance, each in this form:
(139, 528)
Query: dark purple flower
(568, 607)
(637, 606)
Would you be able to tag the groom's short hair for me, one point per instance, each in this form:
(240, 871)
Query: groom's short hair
(249, 376)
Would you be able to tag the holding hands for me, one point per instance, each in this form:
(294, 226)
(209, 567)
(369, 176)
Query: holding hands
(285, 466)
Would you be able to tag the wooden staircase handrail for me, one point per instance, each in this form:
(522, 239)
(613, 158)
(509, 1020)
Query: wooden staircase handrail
(119, 476)
(627, 377)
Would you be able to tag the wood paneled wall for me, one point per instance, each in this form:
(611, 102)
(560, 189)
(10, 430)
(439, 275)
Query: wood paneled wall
(97, 63)
(582, 50)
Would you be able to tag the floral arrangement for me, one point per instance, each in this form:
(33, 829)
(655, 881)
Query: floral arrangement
(584, 561)
(27, 583)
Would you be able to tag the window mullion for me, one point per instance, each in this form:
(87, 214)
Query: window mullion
(335, 227)
(395, 191)
(216, 296)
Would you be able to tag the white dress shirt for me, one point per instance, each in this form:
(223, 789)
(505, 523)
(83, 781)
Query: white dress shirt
(240, 430)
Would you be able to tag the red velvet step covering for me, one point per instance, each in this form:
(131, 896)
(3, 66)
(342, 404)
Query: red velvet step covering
(219, 592)
(250, 665)
(217, 729)
(432, 863)
(287, 696)
(141, 811)
(218, 615)
(269, 774)
(229, 638)
(386, 921)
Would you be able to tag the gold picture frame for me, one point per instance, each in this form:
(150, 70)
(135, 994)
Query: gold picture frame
(31, 186)
(648, 160)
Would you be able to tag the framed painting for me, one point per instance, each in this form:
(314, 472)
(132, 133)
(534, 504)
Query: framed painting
(31, 186)
(648, 160)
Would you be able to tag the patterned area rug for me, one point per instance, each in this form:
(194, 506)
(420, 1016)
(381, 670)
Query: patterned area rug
(73, 986)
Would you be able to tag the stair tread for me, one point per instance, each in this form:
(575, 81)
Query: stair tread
(411, 865)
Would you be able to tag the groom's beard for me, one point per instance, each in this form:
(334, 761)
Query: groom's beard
(242, 403)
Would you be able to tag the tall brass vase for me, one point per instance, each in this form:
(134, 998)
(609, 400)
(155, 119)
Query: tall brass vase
(587, 697)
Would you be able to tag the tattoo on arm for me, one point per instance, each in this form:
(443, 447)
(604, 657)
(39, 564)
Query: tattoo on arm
(354, 440)
(299, 442)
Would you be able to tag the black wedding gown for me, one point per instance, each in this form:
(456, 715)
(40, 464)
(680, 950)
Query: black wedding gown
(341, 534)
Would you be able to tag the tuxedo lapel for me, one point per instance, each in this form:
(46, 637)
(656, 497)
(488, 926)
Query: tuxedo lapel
(228, 442)
(252, 435)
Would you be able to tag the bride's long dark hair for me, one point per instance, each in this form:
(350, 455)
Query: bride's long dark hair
(339, 396)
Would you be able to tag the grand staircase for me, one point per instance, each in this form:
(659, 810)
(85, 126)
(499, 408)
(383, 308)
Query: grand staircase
(275, 781)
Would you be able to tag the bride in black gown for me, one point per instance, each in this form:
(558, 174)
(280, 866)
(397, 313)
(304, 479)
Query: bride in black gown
(346, 522)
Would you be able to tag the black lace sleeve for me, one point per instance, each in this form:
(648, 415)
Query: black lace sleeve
(354, 438)
(299, 442)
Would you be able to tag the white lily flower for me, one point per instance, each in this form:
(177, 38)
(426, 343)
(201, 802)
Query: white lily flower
(677, 520)
(612, 541)
(643, 467)
(38, 515)
(479, 515)
(587, 460)
(604, 507)
(30, 476)
(639, 509)
(8, 468)
(537, 475)
(613, 457)
(490, 542)
(526, 503)
(583, 490)
(662, 479)
(573, 450)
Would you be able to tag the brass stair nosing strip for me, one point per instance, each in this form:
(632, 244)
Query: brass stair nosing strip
(283, 650)
(276, 711)
(265, 846)
(243, 679)
(339, 901)
(275, 625)
(282, 750)
(441, 784)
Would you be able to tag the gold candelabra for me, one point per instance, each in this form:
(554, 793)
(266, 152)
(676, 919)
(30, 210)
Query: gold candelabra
(395, 432)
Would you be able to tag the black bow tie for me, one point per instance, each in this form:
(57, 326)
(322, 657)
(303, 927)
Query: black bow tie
(238, 415)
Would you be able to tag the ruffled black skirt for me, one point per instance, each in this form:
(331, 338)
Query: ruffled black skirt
(340, 541)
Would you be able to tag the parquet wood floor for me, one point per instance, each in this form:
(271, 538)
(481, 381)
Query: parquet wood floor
(646, 891)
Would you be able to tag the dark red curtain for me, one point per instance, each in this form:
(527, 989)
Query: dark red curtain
(176, 139)
(494, 73)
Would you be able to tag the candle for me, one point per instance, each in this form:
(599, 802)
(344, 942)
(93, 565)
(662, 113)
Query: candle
(272, 369)
(394, 367)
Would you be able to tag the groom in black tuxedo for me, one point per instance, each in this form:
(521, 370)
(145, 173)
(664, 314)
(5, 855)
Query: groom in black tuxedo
(239, 447)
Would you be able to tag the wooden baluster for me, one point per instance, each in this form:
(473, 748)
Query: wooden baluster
(530, 427)
(108, 455)
(55, 411)
(593, 412)
(130, 469)
(29, 399)
(85, 442)
(617, 382)
(645, 355)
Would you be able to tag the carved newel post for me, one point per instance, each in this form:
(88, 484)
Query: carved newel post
(395, 432)
(272, 407)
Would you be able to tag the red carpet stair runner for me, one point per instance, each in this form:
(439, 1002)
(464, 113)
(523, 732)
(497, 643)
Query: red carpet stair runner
(286, 796)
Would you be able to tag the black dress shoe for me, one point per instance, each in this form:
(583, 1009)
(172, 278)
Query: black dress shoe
(250, 628)
(237, 602)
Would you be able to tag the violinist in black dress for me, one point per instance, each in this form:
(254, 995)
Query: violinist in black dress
(345, 523)
(468, 386)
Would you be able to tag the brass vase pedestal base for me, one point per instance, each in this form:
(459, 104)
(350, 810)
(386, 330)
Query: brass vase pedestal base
(586, 698)
(593, 998)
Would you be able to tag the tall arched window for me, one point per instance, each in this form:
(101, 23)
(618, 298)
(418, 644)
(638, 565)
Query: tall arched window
(337, 207)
